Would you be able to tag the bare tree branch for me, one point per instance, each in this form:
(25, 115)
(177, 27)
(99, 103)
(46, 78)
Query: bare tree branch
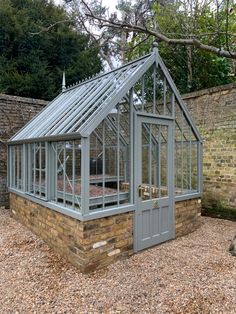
(47, 29)
(88, 18)
(103, 22)
(201, 35)
(141, 42)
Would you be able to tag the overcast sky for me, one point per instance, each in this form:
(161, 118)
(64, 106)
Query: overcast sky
(111, 4)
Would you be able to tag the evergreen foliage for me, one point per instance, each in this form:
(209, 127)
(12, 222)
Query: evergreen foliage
(31, 65)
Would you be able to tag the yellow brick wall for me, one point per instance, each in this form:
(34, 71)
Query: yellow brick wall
(93, 244)
(187, 216)
(214, 110)
(87, 245)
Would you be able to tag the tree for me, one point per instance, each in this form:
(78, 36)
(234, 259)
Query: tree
(37, 42)
(141, 19)
(191, 68)
(196, 38)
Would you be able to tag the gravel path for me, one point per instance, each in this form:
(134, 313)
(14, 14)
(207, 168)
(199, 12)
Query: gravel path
(193, 274)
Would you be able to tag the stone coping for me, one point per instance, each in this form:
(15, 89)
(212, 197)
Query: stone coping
(30, 101)
(209, 91)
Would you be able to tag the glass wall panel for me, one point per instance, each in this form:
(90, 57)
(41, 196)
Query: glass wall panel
(36, 169)
(16, 180)
(163, 136)
(152, 93)
(110, 160)
(67, 173)
(186, 156)
(154, 161)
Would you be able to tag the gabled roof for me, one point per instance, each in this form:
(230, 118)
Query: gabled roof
(79, 109)
(85, 104)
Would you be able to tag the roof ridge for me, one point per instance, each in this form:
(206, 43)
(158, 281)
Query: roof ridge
(100, 74)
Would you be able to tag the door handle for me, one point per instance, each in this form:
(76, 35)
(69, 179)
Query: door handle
(139, 190)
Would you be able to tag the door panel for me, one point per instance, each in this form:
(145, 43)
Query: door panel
(154, 221)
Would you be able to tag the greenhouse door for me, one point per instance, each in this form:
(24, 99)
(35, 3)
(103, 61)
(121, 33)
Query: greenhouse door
(154, 216)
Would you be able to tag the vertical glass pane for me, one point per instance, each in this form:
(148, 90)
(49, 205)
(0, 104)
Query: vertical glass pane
(17, 166)
(76, 173)
(110, 161)
(152, 93)
(36, 188)
(124, 154)
(194, 163)
(33, 156)
(164, 160)
(60, 170)
(96, 168)
(146, 175)
(17, 159)
(67, 156)
(43, 156)
(43, 183)
(178, 171)
(37, 154)
(68, 173)
(154, 161)
(35, 164)
(186, 155)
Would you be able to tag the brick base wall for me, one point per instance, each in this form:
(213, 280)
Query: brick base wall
(87, 245)
(93, 244)
(187, 216)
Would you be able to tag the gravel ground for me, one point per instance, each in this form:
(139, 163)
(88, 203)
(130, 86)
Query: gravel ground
(193, 274)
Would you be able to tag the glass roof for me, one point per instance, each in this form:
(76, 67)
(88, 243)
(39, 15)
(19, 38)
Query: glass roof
(79, 109)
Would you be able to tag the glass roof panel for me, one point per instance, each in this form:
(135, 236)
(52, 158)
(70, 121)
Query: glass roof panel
(80, 105)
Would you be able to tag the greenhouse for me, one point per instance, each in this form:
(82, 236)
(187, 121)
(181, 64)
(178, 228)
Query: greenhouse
(117, 143)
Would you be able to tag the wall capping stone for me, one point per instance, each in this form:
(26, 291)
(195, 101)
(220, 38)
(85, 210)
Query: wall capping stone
(209, 91)
(30, 101)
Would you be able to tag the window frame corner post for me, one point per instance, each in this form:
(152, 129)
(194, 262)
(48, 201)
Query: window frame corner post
(85, 175)
(131, 153)
(171, 170)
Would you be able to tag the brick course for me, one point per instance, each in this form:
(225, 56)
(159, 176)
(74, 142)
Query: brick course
(88, 245)
(214, 111)
(187, 216)
(93, 244)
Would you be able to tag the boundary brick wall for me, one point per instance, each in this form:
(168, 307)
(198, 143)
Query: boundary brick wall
(214, 111)
(15, 112)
